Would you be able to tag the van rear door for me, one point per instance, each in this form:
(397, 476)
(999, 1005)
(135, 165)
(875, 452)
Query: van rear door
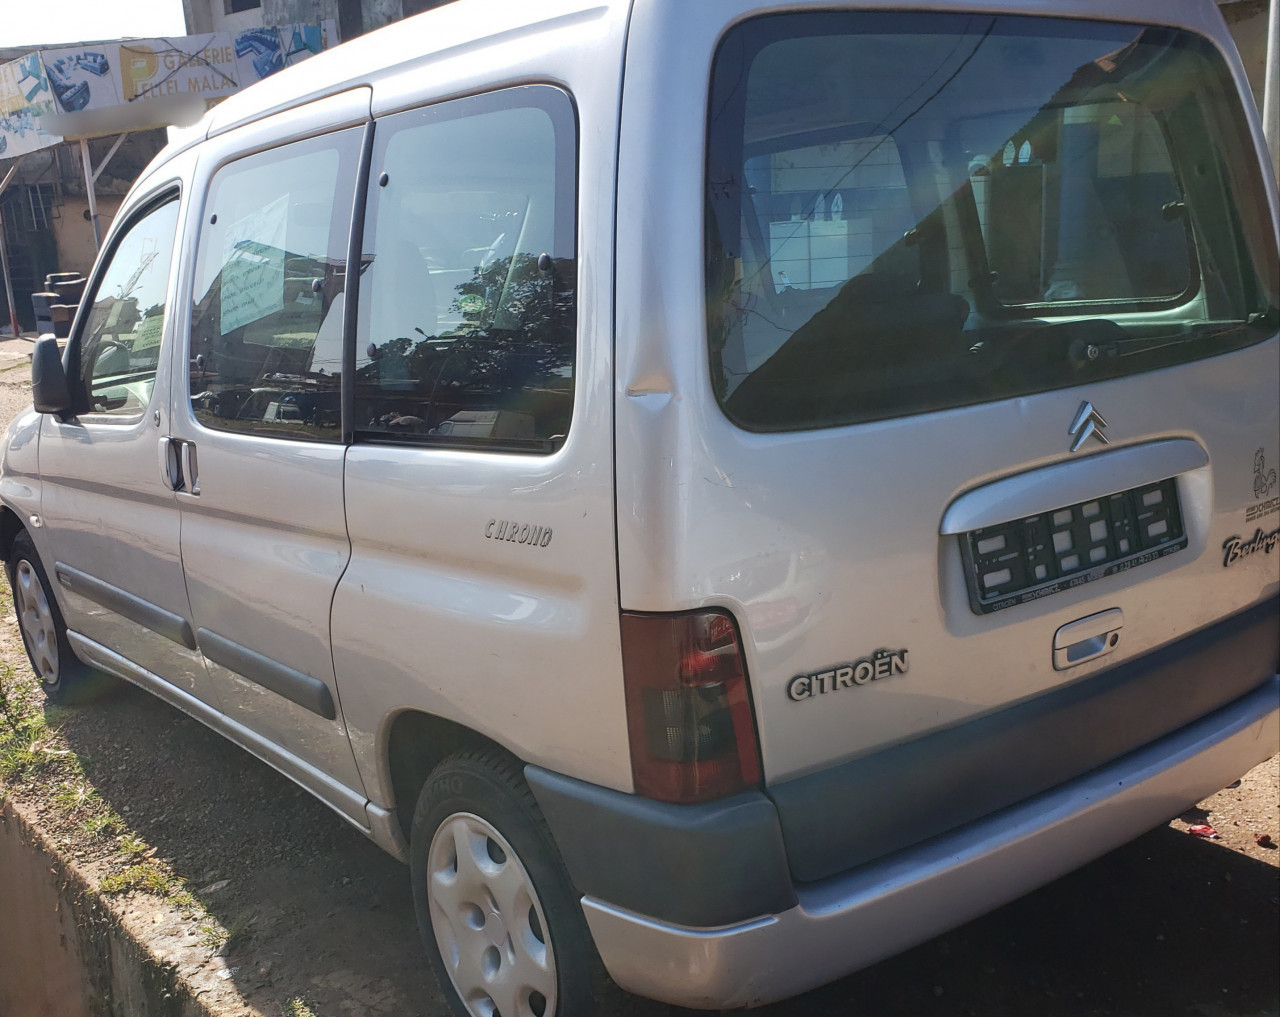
(985, 403)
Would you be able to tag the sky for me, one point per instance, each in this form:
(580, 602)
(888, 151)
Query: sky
(27, 23)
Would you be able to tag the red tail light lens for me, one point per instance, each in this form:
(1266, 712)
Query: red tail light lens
(689, 719)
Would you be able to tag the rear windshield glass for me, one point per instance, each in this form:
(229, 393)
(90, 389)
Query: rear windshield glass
(908, 212)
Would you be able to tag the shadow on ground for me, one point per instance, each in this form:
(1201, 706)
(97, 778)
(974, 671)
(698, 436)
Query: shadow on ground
(321, 914)
(1167, 925)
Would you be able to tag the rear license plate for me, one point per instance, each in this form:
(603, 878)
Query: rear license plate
(1026, 559)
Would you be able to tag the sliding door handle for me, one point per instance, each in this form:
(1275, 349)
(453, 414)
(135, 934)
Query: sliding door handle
(190, 471)
(178, 467)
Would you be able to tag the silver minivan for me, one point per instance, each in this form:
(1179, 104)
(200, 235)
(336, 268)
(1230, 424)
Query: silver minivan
(725, 491)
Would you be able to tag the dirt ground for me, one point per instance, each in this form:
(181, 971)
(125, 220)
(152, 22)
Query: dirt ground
(291, 912)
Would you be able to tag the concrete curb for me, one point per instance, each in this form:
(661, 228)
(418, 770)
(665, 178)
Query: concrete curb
(66, 951)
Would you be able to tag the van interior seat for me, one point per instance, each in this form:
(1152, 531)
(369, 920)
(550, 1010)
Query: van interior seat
(406, 294)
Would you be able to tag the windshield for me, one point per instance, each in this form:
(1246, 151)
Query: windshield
(908, 212)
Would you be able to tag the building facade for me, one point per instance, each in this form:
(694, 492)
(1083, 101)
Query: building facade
(354, 17)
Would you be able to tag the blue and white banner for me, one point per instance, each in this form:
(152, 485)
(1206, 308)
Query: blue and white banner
(82, 79)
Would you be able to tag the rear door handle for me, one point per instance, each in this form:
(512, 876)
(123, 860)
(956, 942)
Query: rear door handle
(190, 470)
(1087, 639)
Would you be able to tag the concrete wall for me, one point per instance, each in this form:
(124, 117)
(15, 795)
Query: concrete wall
(236, 22)
(288, 12)
(73, 233)
(1247, 20)
(377, 13)
(41, 971)
(203, 16)
(354, 17)
(63, 952)
(412, 7)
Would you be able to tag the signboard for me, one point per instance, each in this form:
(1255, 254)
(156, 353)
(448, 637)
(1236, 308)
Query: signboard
(83, 78)
(100, 77)
(25, 97)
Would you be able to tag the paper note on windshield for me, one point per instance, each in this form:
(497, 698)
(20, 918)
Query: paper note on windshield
(253, 265)
(147, 333)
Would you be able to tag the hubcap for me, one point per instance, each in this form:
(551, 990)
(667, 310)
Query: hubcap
(488, 922)
(36, 619)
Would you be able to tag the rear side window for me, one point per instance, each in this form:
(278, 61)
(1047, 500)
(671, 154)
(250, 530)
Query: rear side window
(911, 212)
(466, 334)
(266, 330)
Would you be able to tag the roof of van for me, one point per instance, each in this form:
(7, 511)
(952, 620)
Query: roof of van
(463, 24)
(443, 31)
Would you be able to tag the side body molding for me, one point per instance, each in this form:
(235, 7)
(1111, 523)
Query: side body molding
(308, 692)
(168, 624)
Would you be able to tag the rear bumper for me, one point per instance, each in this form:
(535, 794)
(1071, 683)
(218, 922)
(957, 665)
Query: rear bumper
(852, 920)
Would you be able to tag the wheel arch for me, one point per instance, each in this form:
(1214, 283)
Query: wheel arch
(415, 744)
(10, 527)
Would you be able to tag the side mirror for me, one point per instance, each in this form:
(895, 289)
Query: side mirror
(49, 389)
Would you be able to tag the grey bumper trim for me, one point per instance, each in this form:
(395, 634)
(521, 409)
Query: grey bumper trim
(709, 864)
(869, 807)
(935, 886)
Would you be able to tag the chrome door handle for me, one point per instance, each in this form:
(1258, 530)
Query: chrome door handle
(170, 464)
(1087, 638)
(178, 465)
(190, 472)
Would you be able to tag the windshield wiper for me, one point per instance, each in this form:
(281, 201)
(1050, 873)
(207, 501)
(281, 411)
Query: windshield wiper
(1092, 352)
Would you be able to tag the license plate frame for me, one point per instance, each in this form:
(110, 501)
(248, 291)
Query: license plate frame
(1023, 560)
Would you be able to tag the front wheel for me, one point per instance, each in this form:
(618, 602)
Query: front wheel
(503, 928)
(63, 676)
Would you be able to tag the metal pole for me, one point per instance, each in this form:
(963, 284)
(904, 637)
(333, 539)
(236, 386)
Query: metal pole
(4, 250)
(107, 158)
(8, 282)
(1271, 87)
(88, 187)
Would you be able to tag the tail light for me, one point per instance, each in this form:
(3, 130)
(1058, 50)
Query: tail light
(689, 717)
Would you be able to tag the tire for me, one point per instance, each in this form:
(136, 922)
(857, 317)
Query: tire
(503, 928)
(65, 679)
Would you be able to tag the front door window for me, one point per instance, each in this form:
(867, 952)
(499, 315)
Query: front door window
(120, 343)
